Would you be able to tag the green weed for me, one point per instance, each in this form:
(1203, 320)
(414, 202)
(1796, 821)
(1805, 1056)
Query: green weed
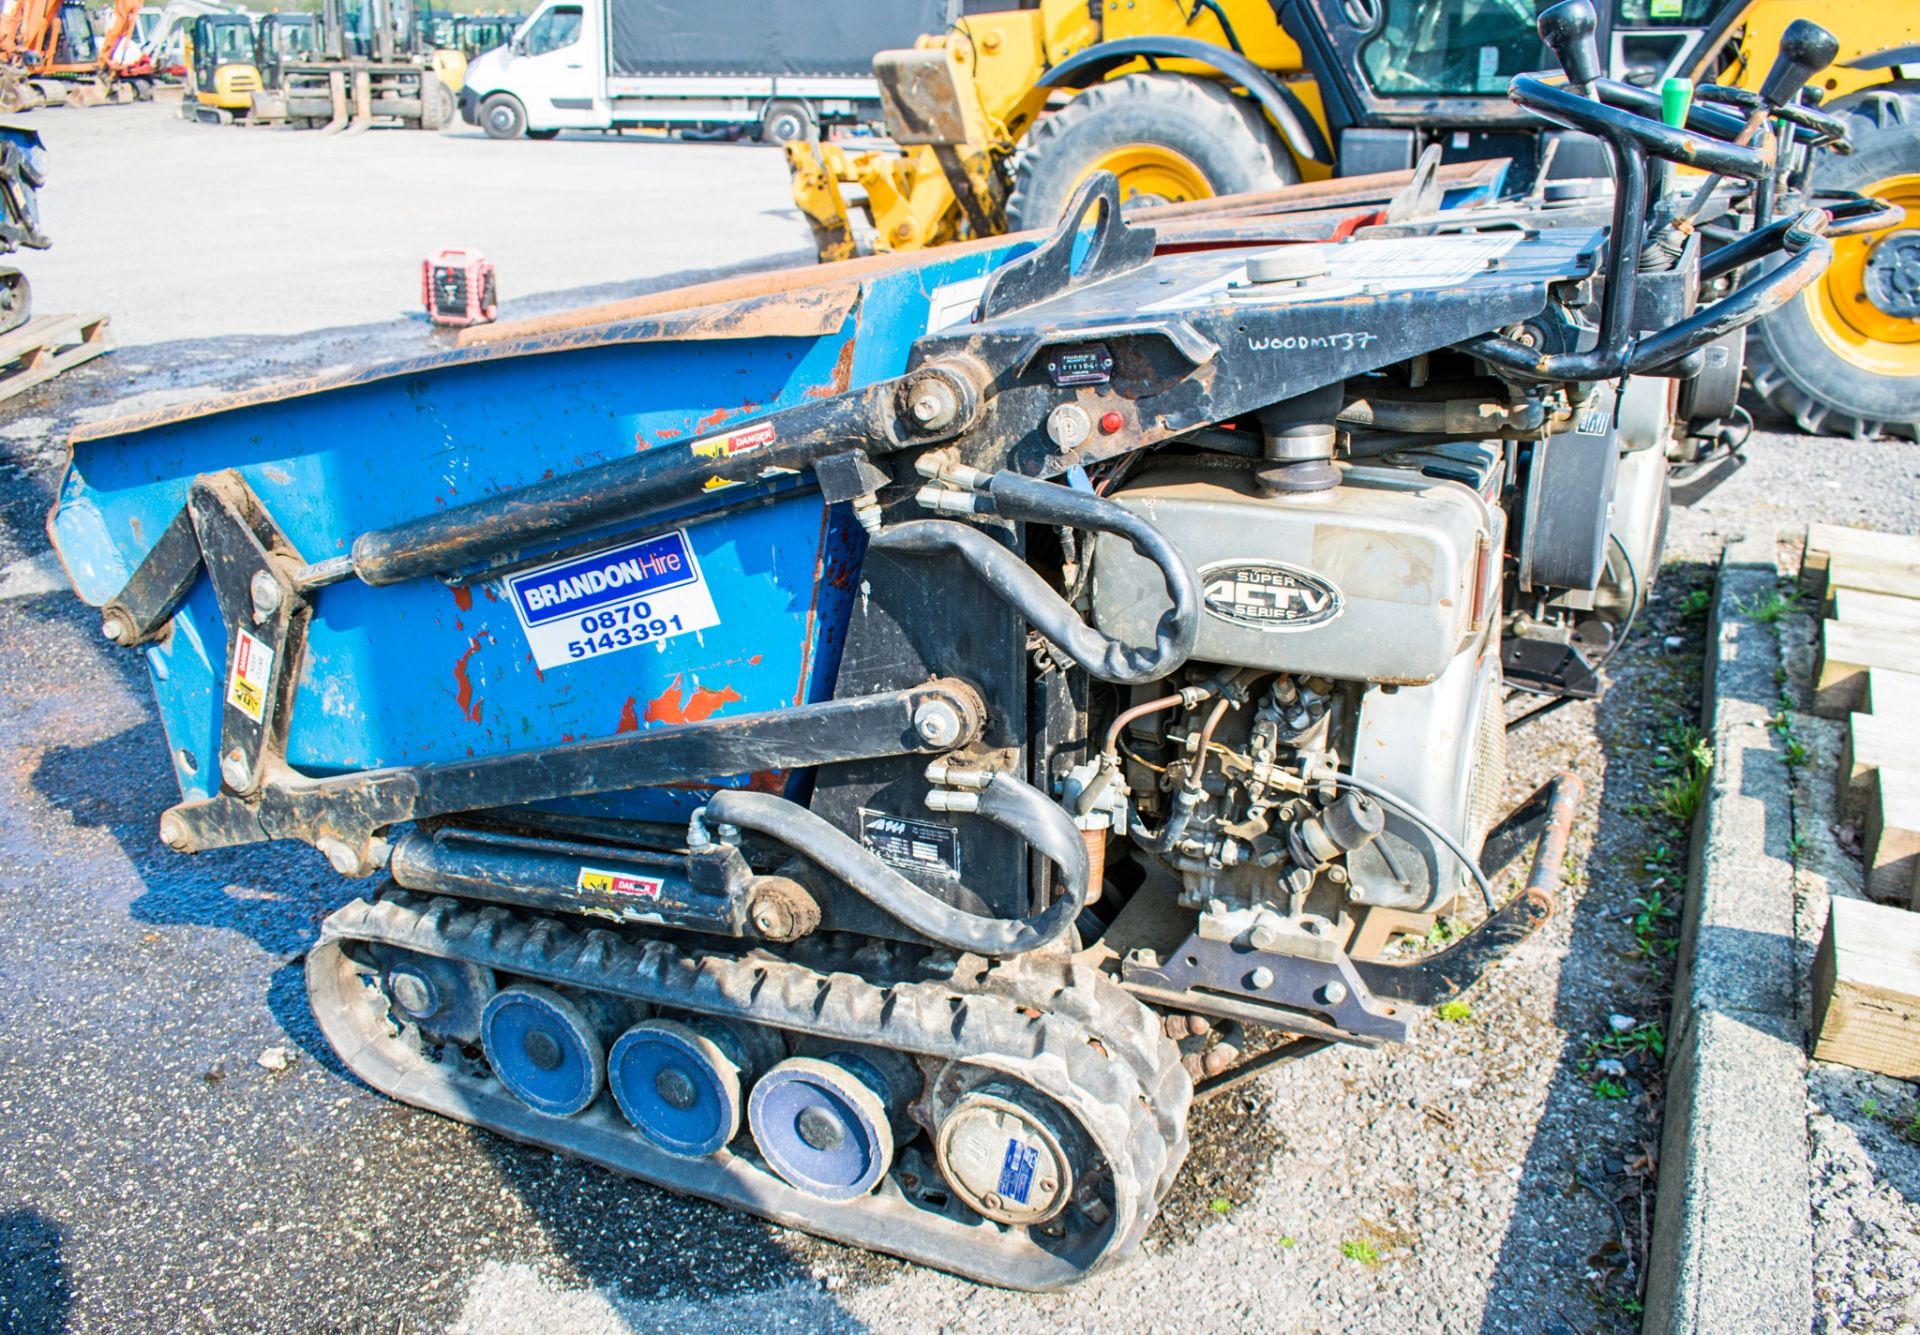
(1609, 1090)
(1359, 1249)
(1767, 608)
(1454, 1012)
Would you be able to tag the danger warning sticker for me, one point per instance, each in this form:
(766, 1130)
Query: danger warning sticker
(746, 439)
(594, 881)
(248, 681)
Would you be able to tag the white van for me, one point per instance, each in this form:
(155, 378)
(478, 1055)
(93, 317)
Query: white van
(782, 68)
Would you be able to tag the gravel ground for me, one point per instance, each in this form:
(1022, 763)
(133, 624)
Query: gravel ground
(1494, 1175)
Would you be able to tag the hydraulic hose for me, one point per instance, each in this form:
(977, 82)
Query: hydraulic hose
(1005, 801)
(1015, 583)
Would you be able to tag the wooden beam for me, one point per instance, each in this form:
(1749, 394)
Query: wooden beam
(1892, 834)
(1826, 541)
(1847, 653)
(1891, 691)
(1866, 989)
(1875, 574)
(1873, 742)
(1857, 607)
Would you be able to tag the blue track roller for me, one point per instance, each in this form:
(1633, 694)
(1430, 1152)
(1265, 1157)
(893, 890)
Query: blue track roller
(543, 1049)
(681, 1084)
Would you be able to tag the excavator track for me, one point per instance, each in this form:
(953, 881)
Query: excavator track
(1054, 1025)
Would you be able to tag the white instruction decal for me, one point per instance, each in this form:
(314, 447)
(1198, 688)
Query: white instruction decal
(641, 593)
(952, 303)
(252, 672)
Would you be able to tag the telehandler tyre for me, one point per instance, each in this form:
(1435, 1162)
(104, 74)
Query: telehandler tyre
(1844, 358)
(1166, 136)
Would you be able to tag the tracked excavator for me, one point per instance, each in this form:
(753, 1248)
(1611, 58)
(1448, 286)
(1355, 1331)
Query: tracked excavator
(51, 53)
(870, 746)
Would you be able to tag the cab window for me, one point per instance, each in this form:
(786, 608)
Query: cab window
(1661, 13)
(558, 27)
(1462, 48)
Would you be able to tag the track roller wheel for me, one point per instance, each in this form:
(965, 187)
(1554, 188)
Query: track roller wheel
(544, 1049)
(826, 1125)
(441, 997)
(681, 1082)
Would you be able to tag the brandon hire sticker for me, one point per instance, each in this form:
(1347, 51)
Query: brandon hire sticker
(252, 672)
(642, 593)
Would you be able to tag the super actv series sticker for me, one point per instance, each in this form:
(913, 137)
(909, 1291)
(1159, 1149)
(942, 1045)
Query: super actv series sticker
(1268, 595)
(644, 592)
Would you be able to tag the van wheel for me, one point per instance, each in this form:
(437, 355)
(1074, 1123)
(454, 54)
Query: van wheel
(788, 122)
(502, 117)
(541, 134)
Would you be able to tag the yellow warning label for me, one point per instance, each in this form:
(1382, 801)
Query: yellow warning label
(250, 677)
(594, 881)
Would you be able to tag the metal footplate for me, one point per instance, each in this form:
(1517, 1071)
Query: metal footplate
(1053, 1025)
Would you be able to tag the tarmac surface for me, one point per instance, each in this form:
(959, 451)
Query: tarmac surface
(156, 1175)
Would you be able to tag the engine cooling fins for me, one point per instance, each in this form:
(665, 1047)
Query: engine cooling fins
(1049, 1034)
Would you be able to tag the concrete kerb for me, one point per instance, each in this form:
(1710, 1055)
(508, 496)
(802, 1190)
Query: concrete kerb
(1732, 1236)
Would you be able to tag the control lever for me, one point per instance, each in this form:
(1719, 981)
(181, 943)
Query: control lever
(1806, 48)
(1568, 29)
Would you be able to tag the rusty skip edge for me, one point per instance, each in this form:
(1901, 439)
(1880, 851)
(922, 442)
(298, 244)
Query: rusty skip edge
(810, 313)
(807, 301)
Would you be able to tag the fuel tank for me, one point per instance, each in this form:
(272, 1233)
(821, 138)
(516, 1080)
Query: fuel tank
(1384, 578)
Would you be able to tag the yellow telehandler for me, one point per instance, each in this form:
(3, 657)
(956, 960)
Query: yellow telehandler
(998, 119)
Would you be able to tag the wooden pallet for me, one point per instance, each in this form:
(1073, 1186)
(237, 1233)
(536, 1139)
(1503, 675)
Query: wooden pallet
(45, 346)
(1869, 674)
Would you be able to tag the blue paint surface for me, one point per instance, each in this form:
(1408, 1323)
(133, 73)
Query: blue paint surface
(424, 671)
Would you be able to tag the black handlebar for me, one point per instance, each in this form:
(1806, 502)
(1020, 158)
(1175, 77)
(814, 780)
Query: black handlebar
(1601, 116)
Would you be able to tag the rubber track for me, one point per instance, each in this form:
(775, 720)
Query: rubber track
(1055, 1023)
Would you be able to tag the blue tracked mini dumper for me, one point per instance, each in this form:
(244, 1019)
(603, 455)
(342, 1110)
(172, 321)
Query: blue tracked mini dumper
(867, 746)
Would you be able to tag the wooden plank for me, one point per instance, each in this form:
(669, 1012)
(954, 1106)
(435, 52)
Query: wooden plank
(1874, 741)
(37, 333)
(1846, 655)
(1866, 989)
(85, 337)
(1825, 541)
(1891, 691)
(1892, 834)
(1857, 607)
(1874, 574)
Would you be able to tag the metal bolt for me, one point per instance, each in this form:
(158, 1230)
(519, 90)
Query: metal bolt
(937, 723)
(1146, 959)
(934, 404)
(1338, 875)
(412, 992)
(675, 1089)
(267, 594)
(173, 831)
(1261, 978)
(1334, 993)
(345, 860)
(237, 770)
(1264, 937)
(117, 626)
